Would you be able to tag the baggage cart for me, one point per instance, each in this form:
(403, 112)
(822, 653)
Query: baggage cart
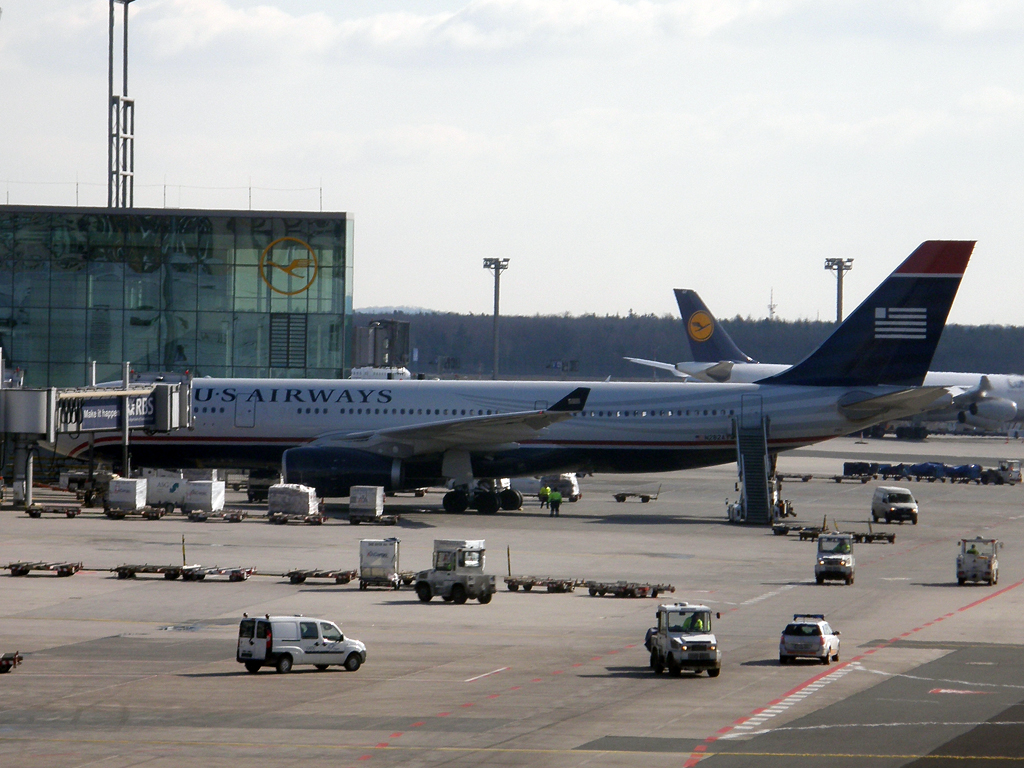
(552, 584)
(378, 563)
(626, 589)
(22, 568)
(299, 575)
(38, 510)
(640, 496)
(169, 572)
(287, 502)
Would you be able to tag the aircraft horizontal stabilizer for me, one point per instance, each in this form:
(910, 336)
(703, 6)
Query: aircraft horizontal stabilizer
(895, 404)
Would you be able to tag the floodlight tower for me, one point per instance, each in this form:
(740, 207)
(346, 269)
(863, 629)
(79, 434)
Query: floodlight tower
(120, 126)
(840, 267)
(499, 266)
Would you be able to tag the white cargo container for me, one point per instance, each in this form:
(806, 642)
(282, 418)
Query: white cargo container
(290, 501)
(378, 563)
(166, 492)
(204, 495)
(365, 503)
(126, 494)
(202, 474)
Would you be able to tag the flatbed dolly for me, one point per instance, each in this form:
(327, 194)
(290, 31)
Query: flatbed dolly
(278, 518)
(68, 510)
(854, 478)
(199, 572)
(299, 575)
(228, 515)
(23, 567)
(9, 661)
(527, 583)
(860, 537)
(788, 477)
(374, 519)
(169, 572)
(626, 589)
(640, 496)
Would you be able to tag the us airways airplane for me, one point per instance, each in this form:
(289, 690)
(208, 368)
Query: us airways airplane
(983, 400)
(333, 434)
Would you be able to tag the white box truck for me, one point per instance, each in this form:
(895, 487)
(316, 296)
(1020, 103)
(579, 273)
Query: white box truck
(378, 563)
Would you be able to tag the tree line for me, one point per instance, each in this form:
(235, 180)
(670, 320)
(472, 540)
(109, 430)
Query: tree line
(593, 346)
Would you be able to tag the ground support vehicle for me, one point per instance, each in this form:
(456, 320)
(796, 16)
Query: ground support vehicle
(643, 498)
(458, 573)
(683, 640)
(38, 510)
(872, 536)
(626, 589)
(809, 636)
(170, 572)
(835, 560)
(287, 502)
(284, 641)
(299, 575)
(1008, 472)
(9, 661)
(259, 483)
(23, 568)
(527, 583)
(894, 503)
(978, 561)
(86, 489)
(378, 563)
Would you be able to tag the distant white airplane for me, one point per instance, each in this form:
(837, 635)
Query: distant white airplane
(334, 434)
(984, 400)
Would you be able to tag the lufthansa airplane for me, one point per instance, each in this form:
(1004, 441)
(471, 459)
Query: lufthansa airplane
(984, 400)
(333, 434)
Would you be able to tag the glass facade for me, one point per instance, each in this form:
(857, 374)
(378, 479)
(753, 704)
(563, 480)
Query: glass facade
(216, 293)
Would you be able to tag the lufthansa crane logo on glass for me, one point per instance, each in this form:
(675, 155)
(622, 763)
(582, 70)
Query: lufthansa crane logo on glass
(287, 262)
(700, 326)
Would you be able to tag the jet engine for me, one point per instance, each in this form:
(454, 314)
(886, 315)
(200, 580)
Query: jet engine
(988, 413)
(333, 471)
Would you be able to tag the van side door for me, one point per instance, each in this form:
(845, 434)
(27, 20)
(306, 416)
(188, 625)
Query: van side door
(309, 642)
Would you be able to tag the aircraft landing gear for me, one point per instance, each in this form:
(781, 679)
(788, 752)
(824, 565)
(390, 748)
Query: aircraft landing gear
(455, 502)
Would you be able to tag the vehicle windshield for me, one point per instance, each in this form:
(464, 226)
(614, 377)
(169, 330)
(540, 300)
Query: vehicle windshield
(803, 630)
(834, 546)
(903, 497)
(985, 548)
(690, 621)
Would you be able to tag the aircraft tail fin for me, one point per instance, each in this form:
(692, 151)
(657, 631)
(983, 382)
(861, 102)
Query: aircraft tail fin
(891, 337)
(705, 337)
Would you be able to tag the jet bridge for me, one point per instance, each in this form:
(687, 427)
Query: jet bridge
(157, 403)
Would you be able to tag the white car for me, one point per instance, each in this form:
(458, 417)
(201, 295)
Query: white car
(283, 641)
(809, 636)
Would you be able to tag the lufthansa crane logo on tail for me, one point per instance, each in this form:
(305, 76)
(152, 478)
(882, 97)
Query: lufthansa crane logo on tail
(288, 266)
(901, 323)
(701, 326)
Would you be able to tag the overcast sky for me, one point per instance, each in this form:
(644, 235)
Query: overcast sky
(612, 149)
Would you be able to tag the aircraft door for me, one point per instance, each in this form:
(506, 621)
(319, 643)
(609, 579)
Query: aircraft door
(245, 411)
(750, 411)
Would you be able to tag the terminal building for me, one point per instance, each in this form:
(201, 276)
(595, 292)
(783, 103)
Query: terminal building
(212, 293)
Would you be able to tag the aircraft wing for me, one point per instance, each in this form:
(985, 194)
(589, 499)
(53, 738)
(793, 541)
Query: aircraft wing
(894, 405)
(470, 432)
(659, 365)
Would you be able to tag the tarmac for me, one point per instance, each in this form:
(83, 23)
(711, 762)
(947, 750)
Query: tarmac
(124, 672)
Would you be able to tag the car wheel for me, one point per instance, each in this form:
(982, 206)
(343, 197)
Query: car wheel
(913, 520)
(423, 592)
(458, 594)
(995, 577)
(485, 598)
(961, 582)
(252, 666)
(783, 660)
(673, 667)
(513, 587)
(284, 665)
(820, 579)
(714, 672)
(827, 659)
(656, 663)
(353, 662)
(321, 667)
(836, 657)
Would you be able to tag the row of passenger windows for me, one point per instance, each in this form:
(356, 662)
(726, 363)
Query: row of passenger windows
(481, 412)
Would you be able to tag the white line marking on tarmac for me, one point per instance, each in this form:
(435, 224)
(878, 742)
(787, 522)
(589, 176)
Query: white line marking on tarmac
(486, 674)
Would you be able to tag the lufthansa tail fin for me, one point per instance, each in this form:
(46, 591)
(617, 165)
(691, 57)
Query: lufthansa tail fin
(891, 337)
(706, 338)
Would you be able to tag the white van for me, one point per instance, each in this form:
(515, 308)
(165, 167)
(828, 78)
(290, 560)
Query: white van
(893, 503)
(283, 641)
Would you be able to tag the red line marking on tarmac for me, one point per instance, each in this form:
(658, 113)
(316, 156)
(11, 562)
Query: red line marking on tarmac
(494, 696)
(536, 680)
(470, 704)
(364, 757)
(578, 664)
(381, 745)
(595, 658)
(443, 714)
(396, 735)
(515, 687)
(417, 725)
(697, 754)
(558, 672)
